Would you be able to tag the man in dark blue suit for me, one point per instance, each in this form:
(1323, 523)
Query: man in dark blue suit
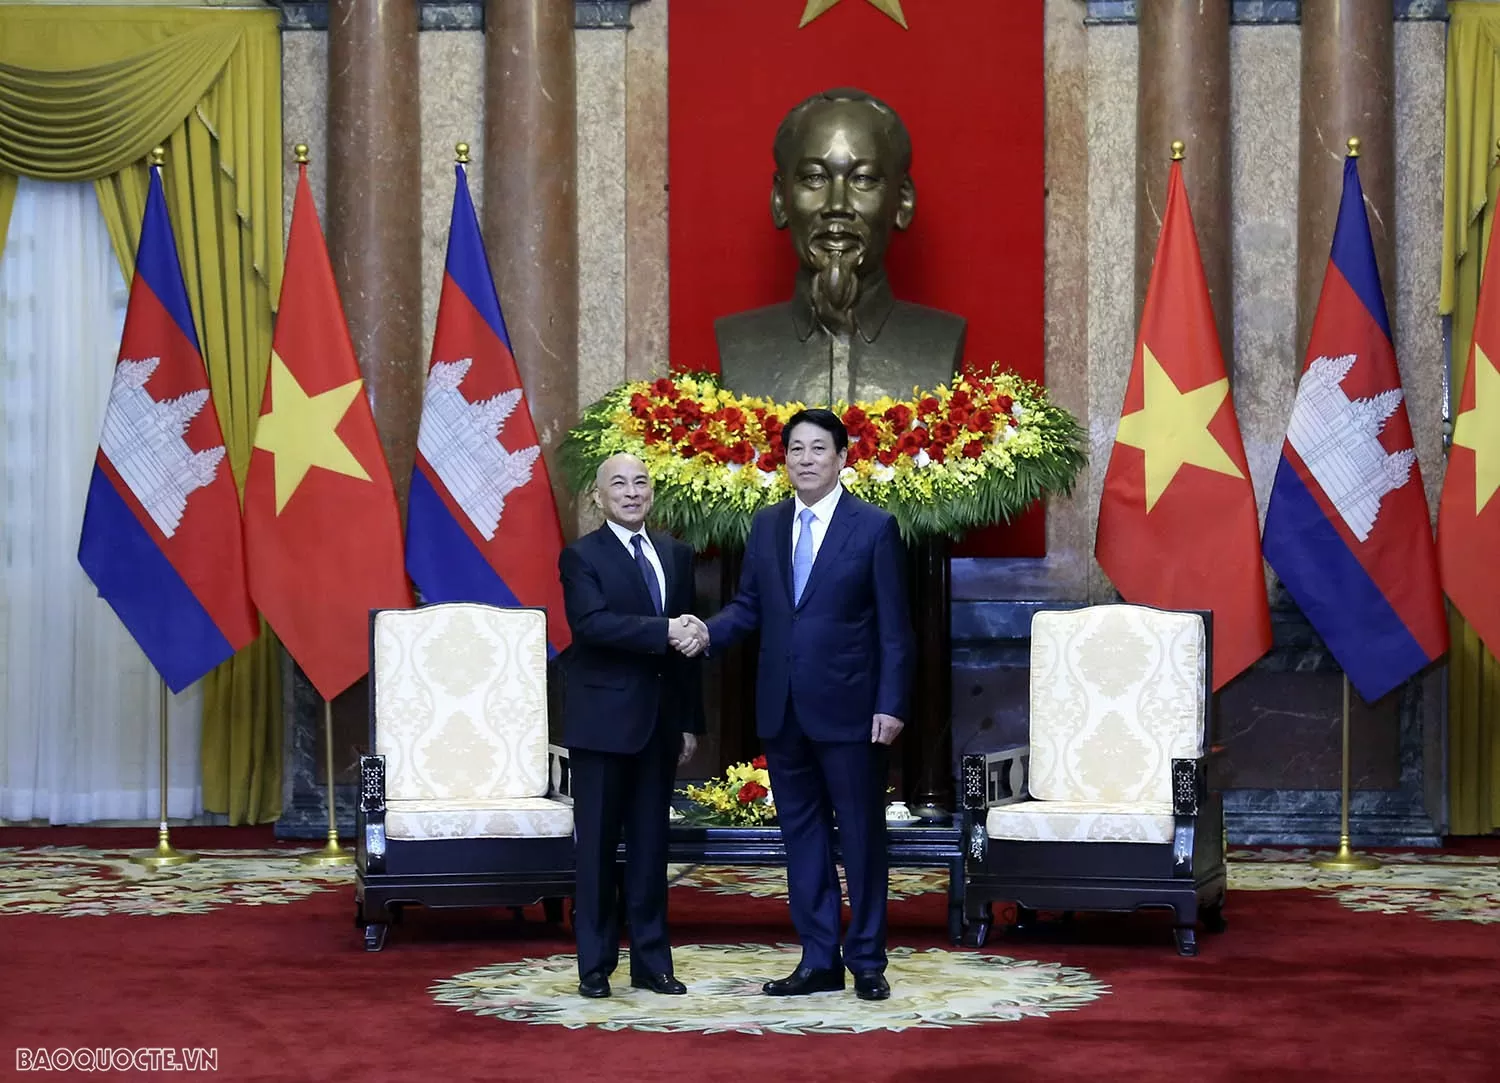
(824, 582)
(632, 707)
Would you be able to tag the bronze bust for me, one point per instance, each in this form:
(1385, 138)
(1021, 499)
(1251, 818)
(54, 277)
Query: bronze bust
(842, 183)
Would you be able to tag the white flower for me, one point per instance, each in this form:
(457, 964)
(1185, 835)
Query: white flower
(733, 468)
(847, 474)
(921, 458)
(883, 473)
(767, 477)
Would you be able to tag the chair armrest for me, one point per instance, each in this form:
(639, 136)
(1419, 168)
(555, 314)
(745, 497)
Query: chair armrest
(1189, 786)
(370, 816)
(560, 775)
(996, 778)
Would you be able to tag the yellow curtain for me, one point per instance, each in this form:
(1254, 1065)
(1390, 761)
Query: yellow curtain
(1471, 181)
(87, 99)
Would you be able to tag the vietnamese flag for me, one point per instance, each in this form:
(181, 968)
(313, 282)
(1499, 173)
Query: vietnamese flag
(322, 531)
(1468, 535)
(1177, 523)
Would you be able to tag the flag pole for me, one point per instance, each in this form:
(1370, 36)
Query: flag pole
(164, 854)
(1346, 860)
(333, 853)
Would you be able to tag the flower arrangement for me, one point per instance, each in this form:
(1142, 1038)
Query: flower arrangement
(945, 461)
(742, 798)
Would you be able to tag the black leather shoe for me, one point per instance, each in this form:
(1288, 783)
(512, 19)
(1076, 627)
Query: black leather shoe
(665, 984)
(593, 985)
(805, 980)
(871, 985)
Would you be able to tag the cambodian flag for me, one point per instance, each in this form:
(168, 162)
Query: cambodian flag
(1347, 529)
(482, 523)
(161, 530)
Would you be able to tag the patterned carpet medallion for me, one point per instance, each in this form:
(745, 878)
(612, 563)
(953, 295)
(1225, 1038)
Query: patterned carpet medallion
(931, 988)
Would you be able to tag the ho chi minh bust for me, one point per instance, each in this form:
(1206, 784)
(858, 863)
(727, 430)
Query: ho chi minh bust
(842, 183)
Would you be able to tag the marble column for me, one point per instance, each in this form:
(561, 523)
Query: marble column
(531, 206)
(1184, 94)
(374, 227)
(1348, 89)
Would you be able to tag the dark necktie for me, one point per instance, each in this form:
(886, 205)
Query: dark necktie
(647, 572)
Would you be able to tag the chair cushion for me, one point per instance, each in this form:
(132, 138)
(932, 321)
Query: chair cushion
(1080, 821)
(1117, 692)
(505, 818)
(461, 702)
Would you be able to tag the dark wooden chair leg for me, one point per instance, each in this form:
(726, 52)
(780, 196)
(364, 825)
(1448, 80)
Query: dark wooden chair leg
(1187, 939)
(1213, 917)
(978, 917)
(552, 911)
(375, 935)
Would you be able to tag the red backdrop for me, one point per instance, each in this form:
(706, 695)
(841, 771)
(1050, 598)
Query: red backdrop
(966, 77)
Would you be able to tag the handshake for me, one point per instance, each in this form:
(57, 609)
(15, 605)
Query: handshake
(688, 634)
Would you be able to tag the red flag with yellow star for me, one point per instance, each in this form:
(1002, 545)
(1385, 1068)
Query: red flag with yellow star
(1468, 535)
(1177, 523)
(322, 531)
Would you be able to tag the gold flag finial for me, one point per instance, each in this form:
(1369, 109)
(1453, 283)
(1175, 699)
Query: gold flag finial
(1178, 146)
(1353, 144)
(462, 150)
(300, 150)
(158, 155)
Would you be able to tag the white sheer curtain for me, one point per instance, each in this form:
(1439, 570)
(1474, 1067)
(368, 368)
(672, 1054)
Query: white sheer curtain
(79, 704)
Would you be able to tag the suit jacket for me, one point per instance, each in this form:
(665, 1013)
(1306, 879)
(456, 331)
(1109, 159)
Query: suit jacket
(620, 676)
(846, 652)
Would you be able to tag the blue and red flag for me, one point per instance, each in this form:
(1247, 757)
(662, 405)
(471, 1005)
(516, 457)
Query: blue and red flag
(1347, 529)
(482, 524)
(161, 530)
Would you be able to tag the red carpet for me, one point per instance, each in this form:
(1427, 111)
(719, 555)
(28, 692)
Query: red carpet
(1300, 987)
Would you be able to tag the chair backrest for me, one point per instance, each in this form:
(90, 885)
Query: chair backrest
(1117, 693)
(458, 701)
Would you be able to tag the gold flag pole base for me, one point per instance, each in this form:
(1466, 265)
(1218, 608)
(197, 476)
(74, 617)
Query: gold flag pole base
(332, 853)
(164, 854)
(1346, 860)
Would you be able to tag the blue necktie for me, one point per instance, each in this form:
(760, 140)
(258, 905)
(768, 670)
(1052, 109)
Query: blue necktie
(802, 556)
(647, 572)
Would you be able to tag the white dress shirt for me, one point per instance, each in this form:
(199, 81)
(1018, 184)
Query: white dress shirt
(647, 548)
(822, 516)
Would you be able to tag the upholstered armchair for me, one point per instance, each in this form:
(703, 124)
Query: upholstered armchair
(462, 801)
(1107, 807)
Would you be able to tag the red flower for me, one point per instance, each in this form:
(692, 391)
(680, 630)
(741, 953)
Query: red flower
(899, 415)
(937, 452)
(677, 433)
(702, 440)
(983, 421)
(665, 388)
(928, 406)
(651, 436)
(887, 455)
(687, 451)
(690, 410)
(945, 432)
(973, 449)
(721, 453)
(766, 462)
(752, 791)
(1003, 403)
(640, 405)
(733, 418)
(759, 763)
(959, 415)
(960, 400)
(743, 452)
(854, 417)
(663, 413)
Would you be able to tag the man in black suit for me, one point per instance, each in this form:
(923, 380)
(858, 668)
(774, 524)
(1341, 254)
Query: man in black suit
(631, 711)
(824, 582)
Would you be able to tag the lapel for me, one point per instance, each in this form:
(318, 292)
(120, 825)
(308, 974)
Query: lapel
(784, 547)
(616, 556)
(834, 538)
